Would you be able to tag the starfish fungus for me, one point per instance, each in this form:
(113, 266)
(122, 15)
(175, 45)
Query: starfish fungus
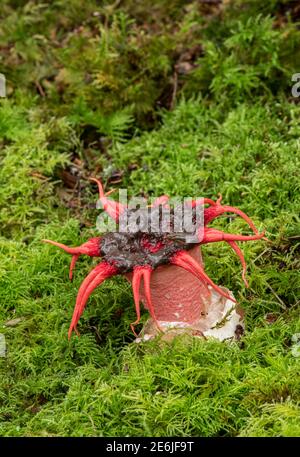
(164, 266)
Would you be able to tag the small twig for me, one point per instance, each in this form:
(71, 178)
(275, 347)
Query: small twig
(174, 93)
(260, 255)
(40, 89)
(38, 175)
(283, 305)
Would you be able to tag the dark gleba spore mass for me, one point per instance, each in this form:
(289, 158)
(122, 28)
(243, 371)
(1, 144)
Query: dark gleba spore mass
(148, 236)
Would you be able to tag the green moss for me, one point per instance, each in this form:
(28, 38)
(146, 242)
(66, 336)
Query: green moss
(86, 86)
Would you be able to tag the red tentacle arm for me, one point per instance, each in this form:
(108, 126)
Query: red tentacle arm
(146, 276)
(114, 209)
(162, 200)
(217, 210)
(72, 266)
(213, 236)
(90, 248)
(184, 260)
(202, 201)
(136, 283)
(101, 272)
(240, 255)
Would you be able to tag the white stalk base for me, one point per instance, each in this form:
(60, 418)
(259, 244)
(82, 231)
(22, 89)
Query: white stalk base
(223, 321)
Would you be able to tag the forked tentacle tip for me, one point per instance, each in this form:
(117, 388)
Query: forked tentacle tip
(71, 329)
(110, 192)
(158, 326)
(245, 281)
(228, 295)
(55, 243)
(232, 299)
(133, 330)
(44, 240)
(99, 184)
(91, 178)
